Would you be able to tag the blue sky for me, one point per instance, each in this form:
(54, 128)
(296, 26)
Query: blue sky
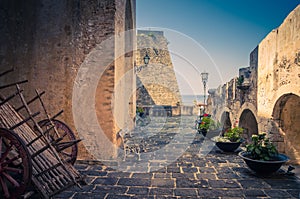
(216, 36)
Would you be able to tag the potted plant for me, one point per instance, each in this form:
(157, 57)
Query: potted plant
(262, 156)
(231, 139)
(140, 112)
(204, 123)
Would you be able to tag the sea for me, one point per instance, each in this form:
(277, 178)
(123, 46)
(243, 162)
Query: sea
(188, 100)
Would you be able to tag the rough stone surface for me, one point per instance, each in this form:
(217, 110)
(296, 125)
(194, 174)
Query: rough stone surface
(268, 98)
(193, 174)
(156, 83)
(48, 41)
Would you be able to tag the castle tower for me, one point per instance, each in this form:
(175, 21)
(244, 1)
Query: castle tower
(156, 83)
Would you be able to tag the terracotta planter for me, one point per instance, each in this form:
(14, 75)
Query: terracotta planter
(228, 146)
(264, 167)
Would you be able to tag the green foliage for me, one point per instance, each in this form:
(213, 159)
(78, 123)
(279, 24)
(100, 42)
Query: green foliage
(231, 135)
(240, 80)
(151, 35)
(206, 122)
(139, 110)
(234, 134)
(261, 148)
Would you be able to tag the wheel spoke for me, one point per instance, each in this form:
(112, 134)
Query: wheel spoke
(16, 170)
(4, 187)
(66, 154)
(63, 139)
(11, 179)
(1, 146)
(16, 167)
(6, 162)
(65, 145)
(6, 153)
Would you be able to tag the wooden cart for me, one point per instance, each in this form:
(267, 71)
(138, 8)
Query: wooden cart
(31, 151)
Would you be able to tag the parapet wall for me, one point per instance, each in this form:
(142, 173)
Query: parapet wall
(266, 95)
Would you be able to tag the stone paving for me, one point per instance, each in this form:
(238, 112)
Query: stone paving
(177, 162)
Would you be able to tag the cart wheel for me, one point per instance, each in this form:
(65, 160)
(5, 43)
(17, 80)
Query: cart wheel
(66, 143)
(15, 165)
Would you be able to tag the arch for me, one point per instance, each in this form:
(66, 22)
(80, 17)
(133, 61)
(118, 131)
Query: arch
(248, 122)
(248, 106)
(225, 120)
(286, 115)
(219, 114)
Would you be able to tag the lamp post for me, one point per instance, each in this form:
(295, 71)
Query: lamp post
(204, 77)
(146, 59)
(146, 62)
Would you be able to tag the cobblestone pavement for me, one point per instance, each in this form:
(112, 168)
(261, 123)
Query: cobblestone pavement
(177, 162)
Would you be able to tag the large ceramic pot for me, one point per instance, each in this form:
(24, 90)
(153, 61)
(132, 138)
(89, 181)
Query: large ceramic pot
(228, 146)
(264, 167)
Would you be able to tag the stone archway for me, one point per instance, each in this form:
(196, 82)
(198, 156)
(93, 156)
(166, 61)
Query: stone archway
(248, 122)
(286, 114)
(225, 120)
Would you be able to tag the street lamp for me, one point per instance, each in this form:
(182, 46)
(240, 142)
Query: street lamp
(146, 59)
(146, 62)
(204, 77)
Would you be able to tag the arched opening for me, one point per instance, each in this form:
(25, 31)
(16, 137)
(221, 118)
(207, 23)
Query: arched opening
(249, 123)
(286, 114)
(225, 121)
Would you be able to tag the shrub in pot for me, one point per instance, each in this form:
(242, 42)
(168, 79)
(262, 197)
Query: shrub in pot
(231, 139)
(205, 123)
(262, 156)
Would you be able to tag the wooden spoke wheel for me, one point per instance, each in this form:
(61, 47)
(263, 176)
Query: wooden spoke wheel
(63, 139)
(15, 165)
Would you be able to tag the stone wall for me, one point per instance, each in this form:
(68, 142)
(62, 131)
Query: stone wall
(157, 83)
(49, 42)
(261, 98)
(279, 84)
(279, 63)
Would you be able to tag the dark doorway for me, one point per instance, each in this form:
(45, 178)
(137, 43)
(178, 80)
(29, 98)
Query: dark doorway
(249, 123)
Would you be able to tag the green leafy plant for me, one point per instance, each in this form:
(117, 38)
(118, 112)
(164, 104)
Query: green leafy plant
(234, 134)
(240, 80)
(231, 135)
(261, 148)
(139, 110)
(207, 122)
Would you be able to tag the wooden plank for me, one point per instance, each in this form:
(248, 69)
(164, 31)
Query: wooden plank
(50, 179)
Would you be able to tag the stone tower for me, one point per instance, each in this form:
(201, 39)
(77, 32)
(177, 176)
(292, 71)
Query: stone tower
(156, 83)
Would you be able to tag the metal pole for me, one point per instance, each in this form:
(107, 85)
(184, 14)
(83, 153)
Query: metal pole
(204, 85)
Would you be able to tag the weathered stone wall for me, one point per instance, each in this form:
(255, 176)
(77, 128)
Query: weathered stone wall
(278, 76)
(47, 41)
(262, 100)
(157, 83)
(233, 97)
(279, 63)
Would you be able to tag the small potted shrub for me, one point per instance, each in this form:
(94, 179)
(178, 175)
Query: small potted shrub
(231, 139)
(262, 156)
(204, 123)
(140, 112)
